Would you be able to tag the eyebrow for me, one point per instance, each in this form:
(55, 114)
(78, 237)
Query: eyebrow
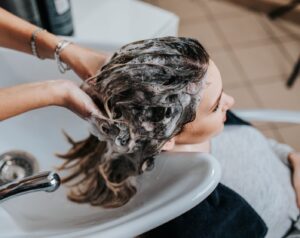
(217, 102)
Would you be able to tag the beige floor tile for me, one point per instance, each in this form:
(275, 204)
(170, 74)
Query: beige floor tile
(243, 30)
(275, 95)
(283, 29)
(263, 61)
(291, 136)
(226, 9)
(243, 98)
(229, 72)
(293, 48)
(205, 32)
(284, 124)
(186, 9)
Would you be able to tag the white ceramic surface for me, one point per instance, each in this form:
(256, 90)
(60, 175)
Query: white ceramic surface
(113, 23)
(178, 182)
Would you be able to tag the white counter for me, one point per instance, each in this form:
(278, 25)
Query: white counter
(113, 23)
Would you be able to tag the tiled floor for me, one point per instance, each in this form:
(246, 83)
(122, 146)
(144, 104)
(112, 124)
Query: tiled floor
(255, 56)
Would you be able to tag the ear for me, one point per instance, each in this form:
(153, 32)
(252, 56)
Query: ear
(169, 145)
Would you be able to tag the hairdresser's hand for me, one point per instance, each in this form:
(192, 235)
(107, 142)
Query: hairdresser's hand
(15, 32)
(22, 98)
(294, 159)
(75, 99)
(83, 61)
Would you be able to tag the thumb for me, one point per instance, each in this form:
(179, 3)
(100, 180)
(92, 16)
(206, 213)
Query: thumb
(80, 103)
(87, 106)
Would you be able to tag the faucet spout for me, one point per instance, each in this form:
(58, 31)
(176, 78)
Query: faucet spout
(44, 181)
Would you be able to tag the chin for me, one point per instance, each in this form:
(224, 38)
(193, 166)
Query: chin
(221, 128)
(215, 133)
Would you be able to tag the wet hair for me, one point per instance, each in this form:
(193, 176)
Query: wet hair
(146, 93)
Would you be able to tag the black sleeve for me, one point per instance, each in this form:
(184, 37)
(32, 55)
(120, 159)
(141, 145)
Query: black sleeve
(233, 119)
(223, 214)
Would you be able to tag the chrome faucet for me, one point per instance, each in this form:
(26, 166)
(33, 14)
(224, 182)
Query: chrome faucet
(44, 181)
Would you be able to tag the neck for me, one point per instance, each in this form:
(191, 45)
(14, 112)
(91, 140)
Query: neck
(200, 147)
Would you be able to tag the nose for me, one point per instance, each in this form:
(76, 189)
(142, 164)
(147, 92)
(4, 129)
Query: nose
(229, 101)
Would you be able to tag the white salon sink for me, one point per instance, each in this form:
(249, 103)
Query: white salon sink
(176, 184)
(113, 23)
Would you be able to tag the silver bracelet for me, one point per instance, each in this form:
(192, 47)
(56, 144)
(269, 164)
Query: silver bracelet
(58, 49)
(33, 42)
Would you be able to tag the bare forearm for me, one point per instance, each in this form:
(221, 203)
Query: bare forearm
(22, 98)
(16, 33)
(64, 93)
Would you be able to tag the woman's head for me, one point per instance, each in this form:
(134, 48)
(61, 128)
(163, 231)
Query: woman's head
(147, 94)
(149, 90)
(211, 113)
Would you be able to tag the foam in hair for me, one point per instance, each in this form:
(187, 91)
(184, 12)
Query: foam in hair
(146, 93)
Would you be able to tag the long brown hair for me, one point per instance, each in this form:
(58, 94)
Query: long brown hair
(146, 93)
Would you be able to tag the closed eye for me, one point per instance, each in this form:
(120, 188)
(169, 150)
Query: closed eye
(216, 108)
(217, 103)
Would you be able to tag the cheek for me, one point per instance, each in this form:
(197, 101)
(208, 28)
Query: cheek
(212, 126)
(200, 131)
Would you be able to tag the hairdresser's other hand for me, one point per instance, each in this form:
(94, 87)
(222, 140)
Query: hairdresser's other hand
(83, 61)
(294, 159)
(22, 98)
(75, 99)
(15, 33)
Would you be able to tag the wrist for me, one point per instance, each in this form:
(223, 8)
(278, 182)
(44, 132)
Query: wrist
(46, 44)
(59, 90)
(67, 94)
(67, 55)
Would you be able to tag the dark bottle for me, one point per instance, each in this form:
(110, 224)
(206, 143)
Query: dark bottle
(26, 9)
(56, 16)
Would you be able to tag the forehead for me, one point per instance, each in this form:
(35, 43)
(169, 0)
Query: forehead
(212, 88)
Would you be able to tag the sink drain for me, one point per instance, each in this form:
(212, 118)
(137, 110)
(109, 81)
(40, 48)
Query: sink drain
(16, 165)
